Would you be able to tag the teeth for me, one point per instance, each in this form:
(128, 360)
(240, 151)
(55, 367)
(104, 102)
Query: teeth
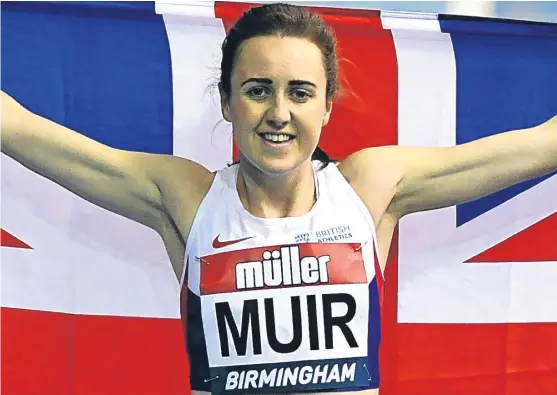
(277, 138)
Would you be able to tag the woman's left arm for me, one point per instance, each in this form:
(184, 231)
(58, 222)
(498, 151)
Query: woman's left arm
(430, 178)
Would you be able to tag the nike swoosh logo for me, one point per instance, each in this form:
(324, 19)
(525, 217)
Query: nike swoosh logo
(219, 244)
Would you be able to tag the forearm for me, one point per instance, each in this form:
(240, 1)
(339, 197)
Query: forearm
(45, 146)
(113, 179)
(62, 155)
(13, 121)
(24, 133)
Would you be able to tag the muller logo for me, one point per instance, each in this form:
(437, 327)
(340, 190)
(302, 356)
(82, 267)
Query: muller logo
(282, 267)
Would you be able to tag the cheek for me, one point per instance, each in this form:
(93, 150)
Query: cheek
(312, 122)
(244, 113)
(237, 109)
(244, 120)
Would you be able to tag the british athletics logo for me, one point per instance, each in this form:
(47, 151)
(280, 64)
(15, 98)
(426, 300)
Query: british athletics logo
(281, 318)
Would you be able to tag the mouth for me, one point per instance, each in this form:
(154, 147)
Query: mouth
(276, 138)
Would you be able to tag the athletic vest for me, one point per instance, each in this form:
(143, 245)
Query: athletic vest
(282, 305)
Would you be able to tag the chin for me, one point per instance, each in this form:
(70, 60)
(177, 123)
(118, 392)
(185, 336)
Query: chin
(276, 166)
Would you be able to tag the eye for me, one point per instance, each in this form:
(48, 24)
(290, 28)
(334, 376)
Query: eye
(301, 95)
(258, 92)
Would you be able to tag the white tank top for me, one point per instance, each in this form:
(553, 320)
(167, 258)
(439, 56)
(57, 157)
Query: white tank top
(282, 305)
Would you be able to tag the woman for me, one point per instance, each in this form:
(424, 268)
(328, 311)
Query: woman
(280, 279)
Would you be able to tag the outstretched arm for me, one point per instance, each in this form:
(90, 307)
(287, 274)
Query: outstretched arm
(429, 178)
(127, 183)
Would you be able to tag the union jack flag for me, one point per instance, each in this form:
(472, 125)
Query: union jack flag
(90, 304)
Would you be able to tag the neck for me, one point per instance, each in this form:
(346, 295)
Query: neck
(266, 195)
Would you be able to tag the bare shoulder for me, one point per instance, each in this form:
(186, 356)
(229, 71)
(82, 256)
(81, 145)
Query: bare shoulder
(374, 174)
(183, 185)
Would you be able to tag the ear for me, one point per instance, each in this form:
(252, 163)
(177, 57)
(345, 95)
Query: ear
(225, 107)
(328, 109)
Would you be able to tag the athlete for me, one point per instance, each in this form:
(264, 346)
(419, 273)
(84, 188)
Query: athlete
(284, 250)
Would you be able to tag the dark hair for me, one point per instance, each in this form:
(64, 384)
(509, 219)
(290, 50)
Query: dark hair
(283, 20)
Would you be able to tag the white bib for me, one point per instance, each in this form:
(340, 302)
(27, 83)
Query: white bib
(283, 303)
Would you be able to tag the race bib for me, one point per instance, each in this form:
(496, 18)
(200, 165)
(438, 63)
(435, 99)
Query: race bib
(286, 318)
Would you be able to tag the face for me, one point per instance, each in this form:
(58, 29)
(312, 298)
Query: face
(277, 104)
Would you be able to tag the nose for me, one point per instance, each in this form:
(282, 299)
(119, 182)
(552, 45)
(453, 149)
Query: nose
(278, 114)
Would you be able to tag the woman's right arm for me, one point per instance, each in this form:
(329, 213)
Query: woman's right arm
(127, 183)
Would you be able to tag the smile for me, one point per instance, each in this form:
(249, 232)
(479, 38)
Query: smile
(276, 137)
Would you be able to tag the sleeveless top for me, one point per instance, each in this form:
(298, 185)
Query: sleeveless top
(282, 305)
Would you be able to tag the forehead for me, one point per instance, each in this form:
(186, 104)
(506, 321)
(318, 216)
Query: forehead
(280, 58)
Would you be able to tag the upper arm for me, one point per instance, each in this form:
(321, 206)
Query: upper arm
(424, 178)
(135, 185)
(441, 177)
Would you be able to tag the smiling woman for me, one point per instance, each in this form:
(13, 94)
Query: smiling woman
(280, 258)
(289, 99)
(300, 30)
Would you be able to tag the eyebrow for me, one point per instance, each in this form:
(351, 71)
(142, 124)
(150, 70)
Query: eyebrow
(270, 82)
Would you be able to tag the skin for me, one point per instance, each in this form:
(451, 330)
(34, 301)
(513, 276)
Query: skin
(164, 192)
(273, 182)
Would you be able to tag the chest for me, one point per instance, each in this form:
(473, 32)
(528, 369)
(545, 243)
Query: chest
(299, 252)
(284, 302)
